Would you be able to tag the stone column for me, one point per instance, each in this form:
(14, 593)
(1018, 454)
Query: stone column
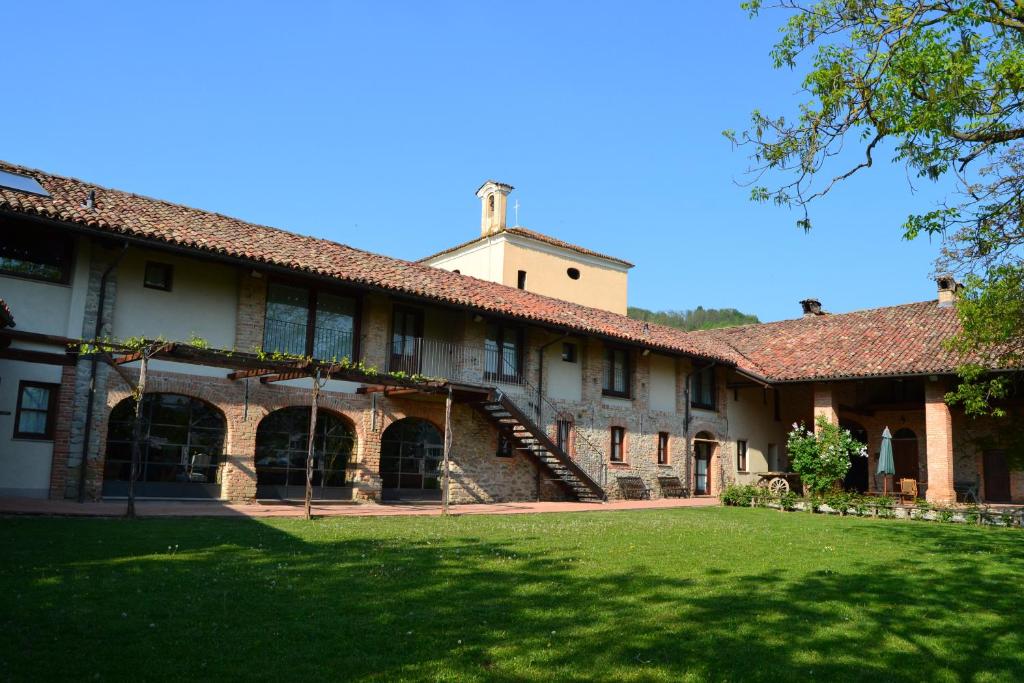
(825, 404)
(938, 443)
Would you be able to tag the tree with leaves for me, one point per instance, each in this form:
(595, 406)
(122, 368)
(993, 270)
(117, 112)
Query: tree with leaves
(939, 85)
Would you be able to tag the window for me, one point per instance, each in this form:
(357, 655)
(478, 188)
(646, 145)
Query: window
(573, 273)
(35, 254)
(158, 276)
(618, 444)
(702, 388)
(503, 357)
(406, 339)
(616, 373)
(741, 456)
(182, 445)
(521, 279)
(305, 322)
(569, 352)
(37, 407)
(563, 435)
(662, 448)
(282, 443)
(504, 446)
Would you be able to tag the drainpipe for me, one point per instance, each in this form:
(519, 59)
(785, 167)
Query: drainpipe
(87, 432)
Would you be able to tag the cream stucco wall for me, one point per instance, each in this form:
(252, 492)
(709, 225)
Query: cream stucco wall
(499, 258)
(563, 380)
(484, 260)
(203, 300)
(24, 463)
(663, 383)
(751, 419)
(598, 286)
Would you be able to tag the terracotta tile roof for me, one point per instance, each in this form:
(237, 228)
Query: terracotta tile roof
(892, 341)
(119, 212)
(6, 317)
(540, 237)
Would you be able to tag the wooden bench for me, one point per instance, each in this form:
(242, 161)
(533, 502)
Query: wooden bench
(633, 487)
(672, 487)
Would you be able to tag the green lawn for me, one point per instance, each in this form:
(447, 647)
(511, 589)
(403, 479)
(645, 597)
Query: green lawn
(688, 594)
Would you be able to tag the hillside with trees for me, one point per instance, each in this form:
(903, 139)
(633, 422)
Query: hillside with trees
(699, 318)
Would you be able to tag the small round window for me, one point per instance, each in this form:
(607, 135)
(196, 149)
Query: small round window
(573, 273)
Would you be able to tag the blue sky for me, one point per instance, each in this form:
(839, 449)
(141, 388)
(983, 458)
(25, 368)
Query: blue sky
(373, 124)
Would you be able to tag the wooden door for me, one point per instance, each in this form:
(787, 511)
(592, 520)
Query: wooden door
(904, 455)
(997, 477)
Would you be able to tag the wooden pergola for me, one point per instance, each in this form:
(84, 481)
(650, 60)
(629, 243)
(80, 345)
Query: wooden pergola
(268, 369)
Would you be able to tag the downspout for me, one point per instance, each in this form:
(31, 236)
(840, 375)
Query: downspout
(93, 361)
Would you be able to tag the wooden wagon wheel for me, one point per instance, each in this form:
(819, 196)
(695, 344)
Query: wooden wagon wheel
(762, 483)
(778, 486)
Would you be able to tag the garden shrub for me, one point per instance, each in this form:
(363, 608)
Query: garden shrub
(823, 458)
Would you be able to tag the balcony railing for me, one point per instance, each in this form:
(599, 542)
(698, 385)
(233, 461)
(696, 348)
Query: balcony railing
(285, 336)
(451, 361)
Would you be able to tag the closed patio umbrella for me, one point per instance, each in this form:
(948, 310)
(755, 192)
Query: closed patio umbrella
(886, 466)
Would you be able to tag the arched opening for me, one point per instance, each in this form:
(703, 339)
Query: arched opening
(857, 476)
(282, 441)
(904, 455)
(182, 448)
(410, 460)
(704, 444)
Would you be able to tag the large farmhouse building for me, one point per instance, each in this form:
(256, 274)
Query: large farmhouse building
(557, 394)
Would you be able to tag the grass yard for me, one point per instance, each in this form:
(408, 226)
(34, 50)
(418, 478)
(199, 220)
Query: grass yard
(688, 594)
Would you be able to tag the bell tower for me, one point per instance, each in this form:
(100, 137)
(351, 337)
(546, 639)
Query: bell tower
(494, 205)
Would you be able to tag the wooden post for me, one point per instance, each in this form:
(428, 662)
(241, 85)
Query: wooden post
(447, 451)
(309, 448)
(133, 472)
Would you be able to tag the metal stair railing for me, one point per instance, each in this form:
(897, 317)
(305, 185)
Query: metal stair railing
(592, 460)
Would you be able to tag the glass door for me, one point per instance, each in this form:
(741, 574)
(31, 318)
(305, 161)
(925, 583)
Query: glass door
(701, 468)
(406, 335)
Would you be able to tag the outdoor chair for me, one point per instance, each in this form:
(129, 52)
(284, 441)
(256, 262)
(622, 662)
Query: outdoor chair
(908, 490)
(633, 487)
(672, 487)
(967, 492)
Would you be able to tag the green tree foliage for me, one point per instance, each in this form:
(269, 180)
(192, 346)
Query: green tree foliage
(940, 86)
(699, 318)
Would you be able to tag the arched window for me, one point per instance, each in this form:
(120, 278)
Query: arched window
(490, 204)
(182, 447)
(410, 460)
(282, 441)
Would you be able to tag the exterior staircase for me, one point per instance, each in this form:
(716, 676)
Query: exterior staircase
(527, 437)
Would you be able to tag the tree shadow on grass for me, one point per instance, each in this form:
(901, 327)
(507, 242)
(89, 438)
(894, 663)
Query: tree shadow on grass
(429, 599)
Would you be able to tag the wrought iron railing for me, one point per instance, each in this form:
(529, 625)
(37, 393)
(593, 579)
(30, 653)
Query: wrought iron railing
(452, 361)
(293, 338)
(485, 366)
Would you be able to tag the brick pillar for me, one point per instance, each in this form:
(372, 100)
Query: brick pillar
(252, 306)
(62, 433)
(938, 443)
(825, 404)
(238, 478)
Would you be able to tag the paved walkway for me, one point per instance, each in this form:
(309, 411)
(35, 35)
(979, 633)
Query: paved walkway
(153, 508)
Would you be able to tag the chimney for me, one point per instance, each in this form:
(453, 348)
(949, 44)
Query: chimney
(948, 287)
(494, 203)
(812, 307)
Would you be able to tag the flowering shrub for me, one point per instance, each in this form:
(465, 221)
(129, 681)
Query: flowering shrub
(823, 458)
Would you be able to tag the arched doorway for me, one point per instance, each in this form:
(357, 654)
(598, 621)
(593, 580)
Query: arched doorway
(182, 448)
(704, 445)
(282, 441)
(904, 454)
(857, 476)
(410, 460)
